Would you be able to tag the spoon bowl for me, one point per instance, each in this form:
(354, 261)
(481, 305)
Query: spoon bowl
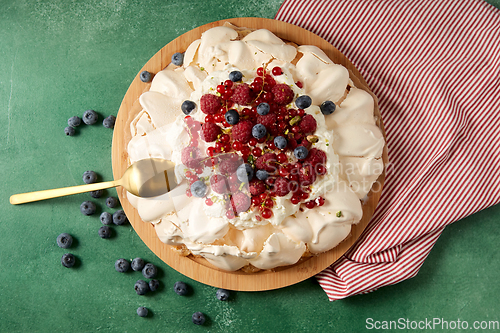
(145, 178)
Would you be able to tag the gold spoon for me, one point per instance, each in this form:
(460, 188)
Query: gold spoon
(145, 178)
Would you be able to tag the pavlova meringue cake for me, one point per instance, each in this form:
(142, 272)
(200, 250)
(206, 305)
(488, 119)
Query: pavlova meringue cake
(275, 150)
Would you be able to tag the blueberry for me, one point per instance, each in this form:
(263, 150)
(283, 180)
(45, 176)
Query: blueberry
(244, 173)
(149, 271)
(181, 288)
(111, 202)
(198, 318)
(138, 264)
(122, 265)
(187, 107)
(142, 311)
(90, 117)
(262, 174)
(89, 177)
(74, 121)
(222, 294)
(64, 240)
(109, 121)
(235, 76)
(87, 208)
(177, 59)
(232, 117)
(154, 284)
(263, 109)
(141, 287)
(106, 218)
(145, 76)
(327, 107)
(199, 189)
(259, 131)
(96, 194)
(68, 260)
(69, 131)
(303, 102)
(301, 152)
(280, 142)
(105, 231)
(119, 217)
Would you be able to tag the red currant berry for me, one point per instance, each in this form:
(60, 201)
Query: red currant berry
(320, 201)
(256, 200)
(266, 213)
(230, 214)
(271, 145)
(237, 145)
(256, 87)
(277, 71)
(299, 84)
(228, 83)
(269, 203)
(263, 196)
(295, 200)
(292, 112)
(199, 170)
(252, 142)
(259, 80)
(245, 151)
(188, 193)
(209, 202)
(310, 204)
(219, 118)
(282, 158)
(256, 151)
(209, 119)
(260, 71)
(300, 112)
(304, 195)
(220, 89)
(295, 129)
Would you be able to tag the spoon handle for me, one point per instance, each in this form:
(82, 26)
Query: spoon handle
(21, 198)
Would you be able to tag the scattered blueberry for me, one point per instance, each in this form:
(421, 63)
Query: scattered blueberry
(280, 142)
(68, 260)
(141, 287)
(222, 294)
(259, 131)
(244, 173)
(181, 288)
(177, 59)
(142, 311)
(119, 217)
(74, 121)
(301, 152)
(96, 194)
(145, 76)
(64, 240)
(199, 189)
(149, 271)
(122, 265)
(69, 131)
(263, 108)
(109, 121)
(154, 284)
(187, 107)
(232, 117)
(89, 177)
(111, 202)
(235, 76)
(105, 231)
(138, 264)
(262, 174)
(90, 117)
(303, 102)
(106, 218)
(87, 208)
(327, 107)
(198, 318)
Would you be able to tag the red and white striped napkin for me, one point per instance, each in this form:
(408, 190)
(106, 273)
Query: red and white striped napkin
(435, 68)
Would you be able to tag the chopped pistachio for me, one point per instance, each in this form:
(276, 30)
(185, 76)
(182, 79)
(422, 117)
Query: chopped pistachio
(339, 214)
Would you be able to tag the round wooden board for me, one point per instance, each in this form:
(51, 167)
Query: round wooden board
(198, 268)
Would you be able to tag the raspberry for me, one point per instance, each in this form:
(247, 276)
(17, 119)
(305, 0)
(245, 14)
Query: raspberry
(283, 94)
(256, 186)
(308, 124)
(242, 94)
(209, 132)
(240, 202)
(316, 156)
(210, 104)
(267, 162)
(228, 166)
(281, 187)
(307, 176)
(218, 184)
(242, 131)
(269, 121)
(191, 157)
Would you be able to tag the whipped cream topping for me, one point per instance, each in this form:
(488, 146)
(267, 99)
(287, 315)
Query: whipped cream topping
(349, 136)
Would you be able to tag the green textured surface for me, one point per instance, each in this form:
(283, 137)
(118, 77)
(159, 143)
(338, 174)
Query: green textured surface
(59, 58)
